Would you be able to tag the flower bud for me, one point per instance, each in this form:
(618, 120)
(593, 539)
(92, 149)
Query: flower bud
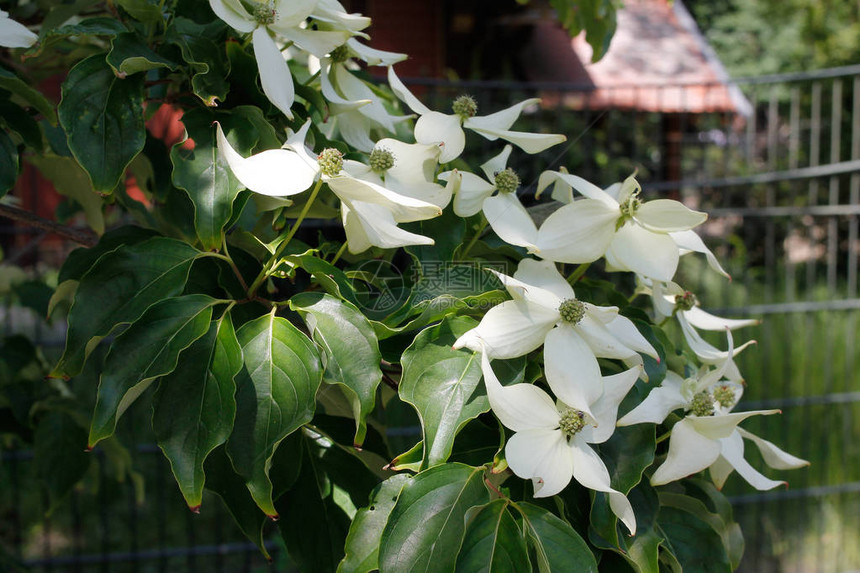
(330, 161)
(381, 159)
(572, 310)
(507, 181)
(465, 106)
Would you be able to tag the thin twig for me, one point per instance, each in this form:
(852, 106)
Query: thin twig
(83, 237)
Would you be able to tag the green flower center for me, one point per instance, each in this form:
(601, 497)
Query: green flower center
(381, 159)
(571, 310)
(330, 161)
(685, 301)
(340, 54)
(465, 106)
(571, 422)
(725, 396)
(507, 181)
(628, 209)
(702, 404)
(265, 13)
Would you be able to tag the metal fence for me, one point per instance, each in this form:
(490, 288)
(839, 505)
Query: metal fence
(779, 175)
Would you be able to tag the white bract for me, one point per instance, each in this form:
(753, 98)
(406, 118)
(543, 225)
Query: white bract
(551, 443)
(285, 18)
(544, 310)
(14, 34)
(369, 211)
(633, 235)
(708, 436)
(447, 129)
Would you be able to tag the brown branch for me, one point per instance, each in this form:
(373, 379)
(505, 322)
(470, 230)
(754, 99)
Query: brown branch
(83, 237)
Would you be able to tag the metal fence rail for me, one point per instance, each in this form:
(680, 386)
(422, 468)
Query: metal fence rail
(782, 186)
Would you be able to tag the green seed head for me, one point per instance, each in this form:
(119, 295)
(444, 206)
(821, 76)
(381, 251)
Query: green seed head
(381, 159)
(725, 396)
(685, 301)
(571, 422)
(330, 161)
(465, 106)
(265, 13)
(507, 181)
(702, 404)
(340, 54)
(571, 310)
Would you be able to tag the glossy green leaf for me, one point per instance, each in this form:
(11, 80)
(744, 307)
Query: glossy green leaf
(8, 163)
(17, 119)
(728, 530)
(365, 532)
(350, 350)
(103, 118)
(426, 527)
(147, 11)
(71, 180)
(313, 526)
(493, 542)
(149, 348)
(222, 479)
(204, 56)
(557, 546)
(60, 458)
(208, 180)
(25, 94)
(333, 280)
(194, 407)
(706, 492)
(695, 544)
(275, 395)
(443, 385)
(117, 289)
(82, 259)
(627, 453)
(130, 55)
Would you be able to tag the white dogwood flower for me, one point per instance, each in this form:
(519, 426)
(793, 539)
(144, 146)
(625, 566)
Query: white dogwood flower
(708, 436)
(370, 212)
(545, 310)
(670, 299)
(355, 109)
(472, 191)
(14, 34)
(405, 168)
(552, 441)
(284, 18)
(632, 235)
(447, 129)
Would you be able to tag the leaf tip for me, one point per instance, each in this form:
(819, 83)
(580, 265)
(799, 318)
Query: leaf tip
(195, 508)
(273, 517)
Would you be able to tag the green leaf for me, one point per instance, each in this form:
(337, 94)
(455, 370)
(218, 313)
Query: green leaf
(493, 541)
(222, 479)
(204, 56)
(34, 294)
(557, 546)
(60, 458)
(194, 407)
(443, 385)
(627, 453)
(27, 95)
(145, 11)
(130, 55)
(8, 163)
(425, 529)
(206, 179)
(73, 182)
(350, 350)
(275, 395)
(333, 280)
(20, 121)
(728, 530)
(103, 118)
(82, 259)
(313, 526)
(365, 532)
(118, 288)
(715, 500)
(695, 544)
(149, 348)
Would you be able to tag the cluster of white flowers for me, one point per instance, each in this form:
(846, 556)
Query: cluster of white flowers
(402, 182)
